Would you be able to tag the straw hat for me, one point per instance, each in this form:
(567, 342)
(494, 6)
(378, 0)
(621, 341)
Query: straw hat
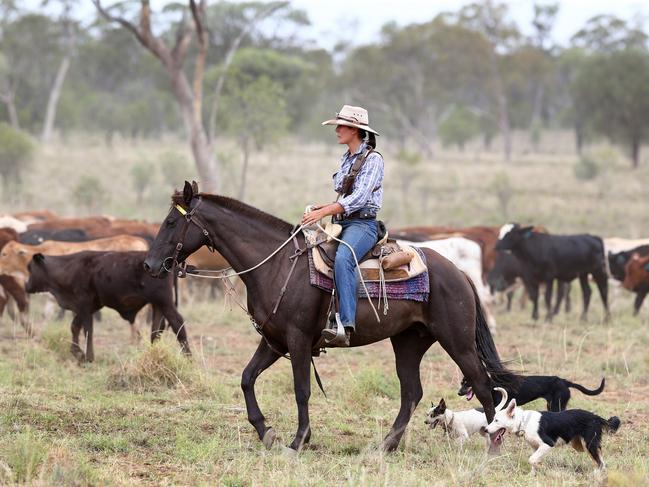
(352, 117)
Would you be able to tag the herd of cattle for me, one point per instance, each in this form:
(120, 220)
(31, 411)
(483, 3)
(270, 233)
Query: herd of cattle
(88, 263)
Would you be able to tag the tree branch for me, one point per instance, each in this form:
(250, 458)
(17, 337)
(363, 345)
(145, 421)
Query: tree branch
(198, 13)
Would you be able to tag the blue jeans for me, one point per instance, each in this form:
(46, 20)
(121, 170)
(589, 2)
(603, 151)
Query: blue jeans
(361, 235)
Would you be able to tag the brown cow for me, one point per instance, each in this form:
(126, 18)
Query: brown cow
(9, 286)
(35, 216)
(637, 272)
(64, 223)
(85, 282)
(15, 257)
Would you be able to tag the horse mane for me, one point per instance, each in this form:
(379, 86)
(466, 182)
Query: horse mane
(239, 207)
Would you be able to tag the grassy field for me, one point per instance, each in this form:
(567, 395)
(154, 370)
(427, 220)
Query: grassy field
(146, 416)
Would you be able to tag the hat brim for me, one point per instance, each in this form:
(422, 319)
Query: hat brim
(337, 121)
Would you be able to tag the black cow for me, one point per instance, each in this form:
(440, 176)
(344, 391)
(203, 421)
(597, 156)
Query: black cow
(617, 264)
(87, 281)
(505, 272)
(35, 237)
(562, 257)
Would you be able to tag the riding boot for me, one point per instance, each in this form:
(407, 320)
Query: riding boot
(335, 334)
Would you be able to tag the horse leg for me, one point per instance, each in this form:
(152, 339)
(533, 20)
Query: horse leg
(586, 292)
(263, 358)
(568, 306)
(409, 348)
(300, 350)
(510, 297)
(549, 287)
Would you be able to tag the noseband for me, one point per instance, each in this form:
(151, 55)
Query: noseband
(190, 218)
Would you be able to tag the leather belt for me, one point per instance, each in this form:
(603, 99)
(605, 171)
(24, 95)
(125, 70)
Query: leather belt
(362, 214)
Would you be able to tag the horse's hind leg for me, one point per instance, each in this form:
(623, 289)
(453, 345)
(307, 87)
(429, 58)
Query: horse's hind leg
(263, 358)
(409, 348)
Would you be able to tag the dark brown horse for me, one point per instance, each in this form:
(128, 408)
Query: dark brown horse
(245, 236)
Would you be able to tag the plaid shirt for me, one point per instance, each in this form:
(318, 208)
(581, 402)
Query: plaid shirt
(367, 191)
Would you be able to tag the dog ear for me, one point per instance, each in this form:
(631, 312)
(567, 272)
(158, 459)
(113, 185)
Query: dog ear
(442, 405)
(511, 408)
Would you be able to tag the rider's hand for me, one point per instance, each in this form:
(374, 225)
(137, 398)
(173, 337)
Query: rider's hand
(314, 215)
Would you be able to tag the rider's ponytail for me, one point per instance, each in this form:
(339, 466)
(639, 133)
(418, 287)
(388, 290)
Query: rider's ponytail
(368, 137)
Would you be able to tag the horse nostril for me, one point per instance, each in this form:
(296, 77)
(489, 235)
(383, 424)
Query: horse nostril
(147, 267)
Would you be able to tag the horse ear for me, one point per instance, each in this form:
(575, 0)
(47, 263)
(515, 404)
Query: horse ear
(188, 193)
(195, 187)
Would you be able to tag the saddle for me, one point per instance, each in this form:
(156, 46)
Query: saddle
(386, 258)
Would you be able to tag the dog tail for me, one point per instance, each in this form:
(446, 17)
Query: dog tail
(588, 392)
(500, 375)
(612, 424)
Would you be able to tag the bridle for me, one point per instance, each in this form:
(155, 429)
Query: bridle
(190, 218)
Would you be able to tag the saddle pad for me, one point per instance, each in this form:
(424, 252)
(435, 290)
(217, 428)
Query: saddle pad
(370, 267)
(416, 288)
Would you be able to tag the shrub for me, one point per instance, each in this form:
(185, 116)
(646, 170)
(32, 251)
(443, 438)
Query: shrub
(175, 169)
(586, 169)
(16, 150)
(502, 188)
(459, 127)
(141, 174)
(24, 456)
(57, 339)
(90, 193)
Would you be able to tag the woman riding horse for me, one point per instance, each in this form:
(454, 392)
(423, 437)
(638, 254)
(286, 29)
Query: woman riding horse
(360, 192)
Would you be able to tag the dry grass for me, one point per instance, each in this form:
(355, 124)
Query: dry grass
(143, 415)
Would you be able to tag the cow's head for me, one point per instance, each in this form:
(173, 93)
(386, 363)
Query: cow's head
(616, 263)
(637, 272)
(38, 281)
(511, 235)
(14, 258)
(180, 234)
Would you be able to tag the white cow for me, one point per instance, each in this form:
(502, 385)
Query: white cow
(616, 244)
(467, 256)
(7, 221)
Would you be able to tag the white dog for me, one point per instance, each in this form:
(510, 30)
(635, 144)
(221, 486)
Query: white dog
(546, 429)
(461, 424)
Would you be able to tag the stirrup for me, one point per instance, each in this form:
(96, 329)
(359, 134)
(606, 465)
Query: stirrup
(336, 336)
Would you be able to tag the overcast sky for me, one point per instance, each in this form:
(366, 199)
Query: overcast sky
(359, 21)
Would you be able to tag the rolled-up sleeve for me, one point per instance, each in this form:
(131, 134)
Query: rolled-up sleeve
(369, 178)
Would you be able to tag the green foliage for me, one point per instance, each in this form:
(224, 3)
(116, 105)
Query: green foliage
(586, 169)
(501, 187)
(142, 172)
(611, 94)
(24, 455)
(459, 127)
(16, 149)
(89, 193)
(57, 339)
(175, 168)
(410, 158)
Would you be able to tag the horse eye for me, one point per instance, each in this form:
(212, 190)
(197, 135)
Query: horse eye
(171, 223)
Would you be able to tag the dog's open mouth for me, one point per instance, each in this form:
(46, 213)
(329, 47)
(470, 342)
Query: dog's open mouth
(498, 437)
(469, 394)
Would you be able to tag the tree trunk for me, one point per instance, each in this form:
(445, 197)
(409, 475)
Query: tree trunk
(53, 100)
(505, 128)
(206, 162)
(579, 138)
(635, 152)
(244, 169)
(8, 99)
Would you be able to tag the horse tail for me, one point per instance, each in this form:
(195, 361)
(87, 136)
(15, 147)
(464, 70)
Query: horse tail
(588, 392)
(500, 375)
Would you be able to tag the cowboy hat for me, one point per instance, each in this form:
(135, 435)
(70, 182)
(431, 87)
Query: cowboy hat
(352, 117)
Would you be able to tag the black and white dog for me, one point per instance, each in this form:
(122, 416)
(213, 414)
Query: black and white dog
(555, 390)
(544, 430)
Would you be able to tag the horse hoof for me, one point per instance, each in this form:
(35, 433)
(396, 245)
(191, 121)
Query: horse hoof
(269, 438)
(288, 452)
